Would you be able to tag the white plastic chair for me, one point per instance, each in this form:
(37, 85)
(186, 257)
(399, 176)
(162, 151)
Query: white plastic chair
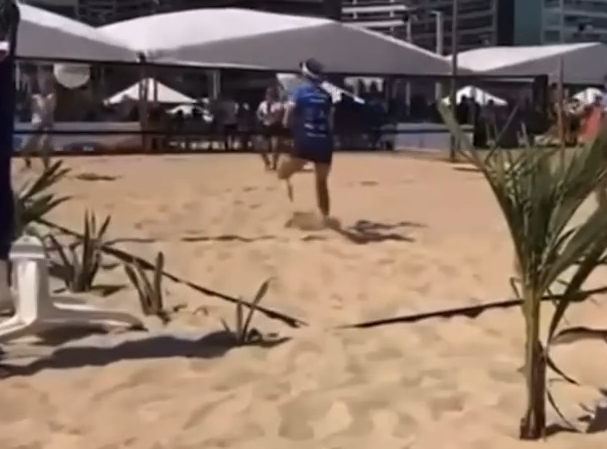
(36, 310)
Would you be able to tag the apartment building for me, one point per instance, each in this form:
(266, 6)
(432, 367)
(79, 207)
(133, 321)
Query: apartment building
(573, 21)
(480, 22)
(101, 12)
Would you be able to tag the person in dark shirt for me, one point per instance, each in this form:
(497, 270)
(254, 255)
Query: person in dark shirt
(309, 114)
(9, 23)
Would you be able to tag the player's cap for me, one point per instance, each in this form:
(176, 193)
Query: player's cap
(311, 68)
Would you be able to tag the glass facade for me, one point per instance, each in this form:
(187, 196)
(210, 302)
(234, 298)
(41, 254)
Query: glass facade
(480, 22)
(560, 21)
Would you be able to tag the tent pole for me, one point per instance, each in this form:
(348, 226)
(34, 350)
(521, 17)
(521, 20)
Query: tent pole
(143, 103)
(453, 91)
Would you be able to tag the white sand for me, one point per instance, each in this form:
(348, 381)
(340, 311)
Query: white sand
(220, 222)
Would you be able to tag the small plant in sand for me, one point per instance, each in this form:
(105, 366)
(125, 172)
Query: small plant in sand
(538, 194)
(242, 333)
(149, 288)
(33, 201)
(80, 261)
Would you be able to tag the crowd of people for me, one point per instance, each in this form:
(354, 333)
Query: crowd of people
(252, 119)
(231, 124)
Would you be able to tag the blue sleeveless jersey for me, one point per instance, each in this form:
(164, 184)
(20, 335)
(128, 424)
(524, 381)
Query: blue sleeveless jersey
(312, 115)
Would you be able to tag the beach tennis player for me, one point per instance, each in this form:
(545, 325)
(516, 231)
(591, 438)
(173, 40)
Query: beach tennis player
(309, 115)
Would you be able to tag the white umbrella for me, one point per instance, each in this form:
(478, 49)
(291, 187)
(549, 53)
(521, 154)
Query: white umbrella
(163, 94)
(185, 109)
(588, 95)
(478, 95)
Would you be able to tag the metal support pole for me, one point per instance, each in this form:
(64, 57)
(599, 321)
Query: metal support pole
(453, 90)
(440, 49)
(408, 84)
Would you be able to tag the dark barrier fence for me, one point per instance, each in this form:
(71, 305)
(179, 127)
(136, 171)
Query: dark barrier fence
(400, 113)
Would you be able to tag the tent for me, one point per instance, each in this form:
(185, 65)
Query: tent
(479, 95)
(271, 41)
(45, 35)
(583, 63)
(588, 95)
(163, 94)
(290, 82)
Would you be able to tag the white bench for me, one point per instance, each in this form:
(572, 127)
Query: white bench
(37, 310)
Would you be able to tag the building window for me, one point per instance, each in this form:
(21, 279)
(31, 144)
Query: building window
(552, 37)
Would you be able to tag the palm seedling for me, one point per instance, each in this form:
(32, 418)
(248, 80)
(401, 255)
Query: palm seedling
(149, 288)
(33, 201)
(538, 195)
(242, 333)
(80, 262)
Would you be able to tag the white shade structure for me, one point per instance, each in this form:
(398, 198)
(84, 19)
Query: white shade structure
(583, 63)
(588, 95)
(156, 91)
(479, 96)
(278, 42)
(46, 35)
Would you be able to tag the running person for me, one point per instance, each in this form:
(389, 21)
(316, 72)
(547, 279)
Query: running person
(309, 115)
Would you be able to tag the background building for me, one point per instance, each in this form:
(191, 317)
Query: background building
(481, 22)
(486, 22)
(560, 21)
(102, 12)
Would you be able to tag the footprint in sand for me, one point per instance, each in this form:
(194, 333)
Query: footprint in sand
(336, 420)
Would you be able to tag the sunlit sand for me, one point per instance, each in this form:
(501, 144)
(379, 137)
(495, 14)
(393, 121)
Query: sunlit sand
(409, 236)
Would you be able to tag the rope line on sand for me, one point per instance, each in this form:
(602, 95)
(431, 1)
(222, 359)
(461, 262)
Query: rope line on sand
(467, 311)
(127, 257)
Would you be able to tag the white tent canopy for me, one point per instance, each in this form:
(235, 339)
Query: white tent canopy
(45, 35)
(156, 92)
(583, 63)
(271, 41)
(480, 96)
(588, 95)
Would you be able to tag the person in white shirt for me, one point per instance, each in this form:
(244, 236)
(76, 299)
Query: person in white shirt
(229, 121)
(43, 120)
(270, 114)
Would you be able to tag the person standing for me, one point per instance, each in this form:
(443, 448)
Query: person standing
(270, 114)
(43, 119)
(9, 24)
(229, 125)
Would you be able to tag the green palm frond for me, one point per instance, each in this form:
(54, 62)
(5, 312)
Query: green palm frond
(556, 247)
(34, 200)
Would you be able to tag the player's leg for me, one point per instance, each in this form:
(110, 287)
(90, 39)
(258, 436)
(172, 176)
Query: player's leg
(265, 147)
(289, 165)
(275, 150)
(322, 171)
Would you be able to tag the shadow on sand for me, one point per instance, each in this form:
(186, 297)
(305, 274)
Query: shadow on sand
(95, 177)
(467, 169)
(364, 231)
(210, 346)
(595, 421)
(361, 232)
(227, 238)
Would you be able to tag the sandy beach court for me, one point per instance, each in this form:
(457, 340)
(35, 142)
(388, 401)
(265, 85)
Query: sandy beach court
(417, 236)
